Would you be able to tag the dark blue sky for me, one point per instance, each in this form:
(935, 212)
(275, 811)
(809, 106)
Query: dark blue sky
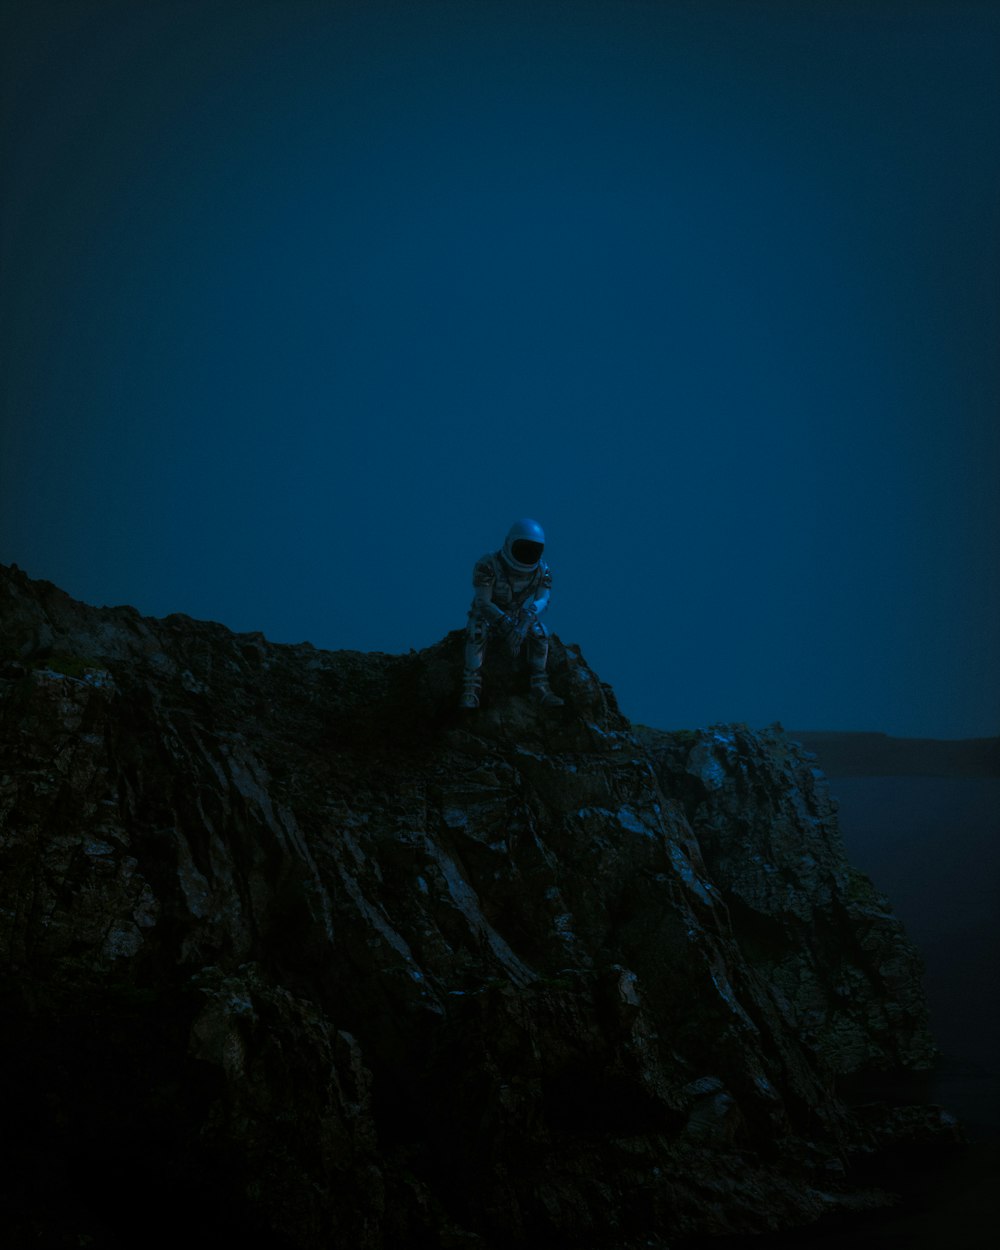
(303, 303)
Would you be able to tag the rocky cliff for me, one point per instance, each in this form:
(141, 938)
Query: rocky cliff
(288, 942)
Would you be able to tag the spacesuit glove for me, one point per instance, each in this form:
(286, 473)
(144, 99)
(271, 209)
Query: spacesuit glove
(518, 632)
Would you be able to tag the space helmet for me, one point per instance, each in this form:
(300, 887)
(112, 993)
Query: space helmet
(522, 548)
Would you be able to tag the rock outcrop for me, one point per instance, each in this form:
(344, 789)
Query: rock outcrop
(293, 951)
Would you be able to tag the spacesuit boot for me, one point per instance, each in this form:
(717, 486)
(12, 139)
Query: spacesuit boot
(542, 693)
(472, 685)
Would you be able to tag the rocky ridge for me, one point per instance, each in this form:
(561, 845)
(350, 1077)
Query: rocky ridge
(288, 941)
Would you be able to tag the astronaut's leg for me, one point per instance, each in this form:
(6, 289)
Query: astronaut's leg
(475, 649)
(538, 657)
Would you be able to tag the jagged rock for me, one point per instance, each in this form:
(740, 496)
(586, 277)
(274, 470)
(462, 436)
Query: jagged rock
(291, 941)
(834, 959)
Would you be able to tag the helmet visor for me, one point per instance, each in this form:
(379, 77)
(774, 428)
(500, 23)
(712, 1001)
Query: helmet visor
(525, 551)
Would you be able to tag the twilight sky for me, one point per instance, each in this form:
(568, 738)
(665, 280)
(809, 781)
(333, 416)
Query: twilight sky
(302, 303)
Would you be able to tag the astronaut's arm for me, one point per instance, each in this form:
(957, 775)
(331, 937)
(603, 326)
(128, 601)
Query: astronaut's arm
(483, 578)
(541, 601)
(483, 601)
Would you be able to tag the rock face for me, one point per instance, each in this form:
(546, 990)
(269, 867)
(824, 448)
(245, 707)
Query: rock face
(290, 944)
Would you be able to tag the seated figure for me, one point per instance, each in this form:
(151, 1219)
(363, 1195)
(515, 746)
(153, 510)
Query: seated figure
(511, 591)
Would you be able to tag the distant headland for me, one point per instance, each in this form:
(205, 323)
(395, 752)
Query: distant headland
(844, 753)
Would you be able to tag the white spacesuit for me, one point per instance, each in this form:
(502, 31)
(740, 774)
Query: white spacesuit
(511, 591)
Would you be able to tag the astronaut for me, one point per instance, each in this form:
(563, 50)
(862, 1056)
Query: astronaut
(511, 590)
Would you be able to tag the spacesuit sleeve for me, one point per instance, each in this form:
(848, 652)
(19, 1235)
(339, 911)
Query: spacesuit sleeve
(483, 578)
(542, 598)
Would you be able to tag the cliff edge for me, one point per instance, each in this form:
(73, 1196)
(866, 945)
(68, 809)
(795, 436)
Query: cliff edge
(294, 952)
